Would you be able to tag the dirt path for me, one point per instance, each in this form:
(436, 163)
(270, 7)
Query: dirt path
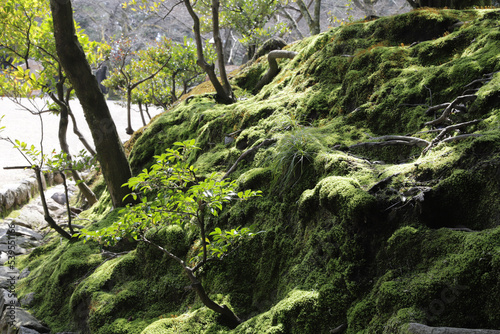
(20, 124)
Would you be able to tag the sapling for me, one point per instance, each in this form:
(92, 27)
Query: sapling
(171, 192)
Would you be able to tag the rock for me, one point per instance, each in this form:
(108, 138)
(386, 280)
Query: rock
(7, 298)
(24, 231)
(20, 318)
(25, 273)
(28, 299)
(30, 217)
(58, 178)
(24, 330)
(6, 271)
(16, 250)
(3, 258)
(22, 194)
(59, 198)
(9, 198)
(414, 328)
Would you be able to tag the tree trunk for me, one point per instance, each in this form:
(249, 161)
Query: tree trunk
(63, 129)
(129, 129)
(229, 318)
(114, 164)
(224, 90)
(312, 22)
(48, 218)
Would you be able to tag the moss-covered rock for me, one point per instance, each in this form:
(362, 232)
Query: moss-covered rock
(369, 238)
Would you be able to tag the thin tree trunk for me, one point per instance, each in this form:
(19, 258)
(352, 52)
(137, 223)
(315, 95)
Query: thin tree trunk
(115, 167)
(47, 216)
(129, 129)
(80, 136)
(63, 142)
(142, 114)
(229, 317)
(147, 111)
(225, 96)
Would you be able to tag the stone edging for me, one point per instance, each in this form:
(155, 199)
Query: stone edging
(13, 196)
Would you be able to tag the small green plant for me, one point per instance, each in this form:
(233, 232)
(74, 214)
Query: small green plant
(171, 193)
(295, 152)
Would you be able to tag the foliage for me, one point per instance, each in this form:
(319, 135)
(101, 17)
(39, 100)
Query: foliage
(26, 34)
(172, 194)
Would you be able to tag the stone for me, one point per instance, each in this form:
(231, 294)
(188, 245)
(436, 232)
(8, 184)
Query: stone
(6, 271)
(24, 330)
(25, 273)
(22, 194)
(59, 198)
(58, 178)
(20, 318)
(3, 258)
(28, 299)
(24, 231)
(7, 298)
(9, 198)
(30, 217)
(16, 250)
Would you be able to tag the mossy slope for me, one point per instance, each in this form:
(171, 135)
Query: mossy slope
(372, 239)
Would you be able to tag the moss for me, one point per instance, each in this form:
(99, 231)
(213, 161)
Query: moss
(335, 249)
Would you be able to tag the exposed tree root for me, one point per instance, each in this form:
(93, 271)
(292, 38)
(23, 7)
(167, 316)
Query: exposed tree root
(448, 129)
(273, 66)
(449, 108)
(459, 104)
(393, 140)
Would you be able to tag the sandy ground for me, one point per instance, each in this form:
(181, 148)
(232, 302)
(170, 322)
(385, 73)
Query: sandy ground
(22, 125)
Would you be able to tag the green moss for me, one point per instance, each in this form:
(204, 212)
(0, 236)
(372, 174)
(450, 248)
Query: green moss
(335, 250)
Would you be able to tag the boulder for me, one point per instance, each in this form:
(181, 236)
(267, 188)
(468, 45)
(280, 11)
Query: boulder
(28, 232)
(8, 198)
(7, 298)
(18, 317)
(16, 250)
(24, 330)
(28, 299)
(59, 197)
(22, 194)
(25, 273)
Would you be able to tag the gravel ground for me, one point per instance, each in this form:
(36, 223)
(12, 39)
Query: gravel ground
(20, 124)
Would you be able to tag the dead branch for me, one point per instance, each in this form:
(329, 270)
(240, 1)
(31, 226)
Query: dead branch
(447, 111)
(447, 130)
(247, 152)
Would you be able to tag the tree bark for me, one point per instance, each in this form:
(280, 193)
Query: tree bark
(224, 91)
(110, 152)
(312, 22)
(273, 66)
(228, 316)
